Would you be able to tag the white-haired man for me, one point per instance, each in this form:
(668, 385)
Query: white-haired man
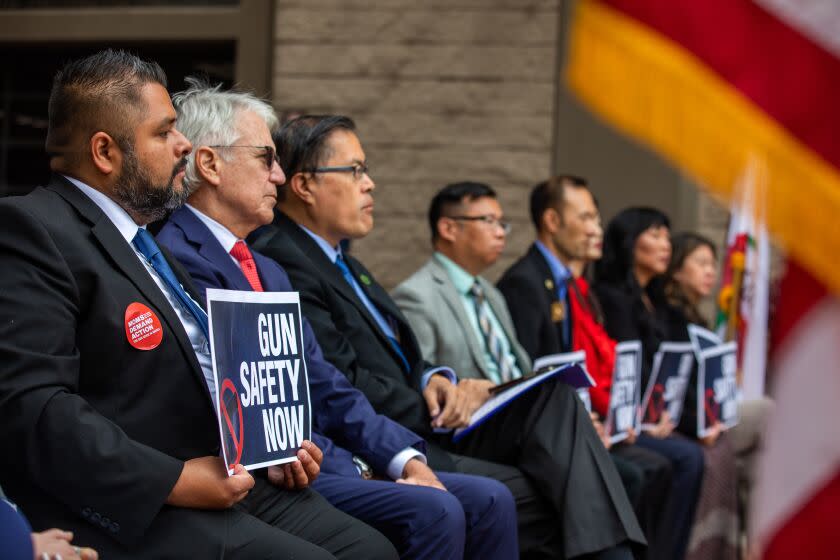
(233, 178)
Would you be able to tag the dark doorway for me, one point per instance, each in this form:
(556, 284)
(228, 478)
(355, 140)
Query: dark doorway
(26, 73)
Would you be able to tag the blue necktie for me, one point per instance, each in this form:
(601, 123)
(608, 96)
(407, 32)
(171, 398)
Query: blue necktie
(145, 243)
(562, 289)
(348, 276)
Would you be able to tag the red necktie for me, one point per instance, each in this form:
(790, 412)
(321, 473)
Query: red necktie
(241, 253)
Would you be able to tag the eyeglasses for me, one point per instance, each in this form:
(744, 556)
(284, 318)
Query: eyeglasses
(357, 169)
(269, 156)
(487, 219)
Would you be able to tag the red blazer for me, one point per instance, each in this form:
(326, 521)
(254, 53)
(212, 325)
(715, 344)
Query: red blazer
(589, 335)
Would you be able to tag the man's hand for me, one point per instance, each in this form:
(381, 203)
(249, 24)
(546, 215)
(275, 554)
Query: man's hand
(301, 473)
(204, 484)
(663, 428)
(599, 429)
(55, 542)
(447, 405)
(477, 392)
(416, 472)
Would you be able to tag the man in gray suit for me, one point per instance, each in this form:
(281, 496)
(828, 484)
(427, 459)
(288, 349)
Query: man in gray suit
(460, 319)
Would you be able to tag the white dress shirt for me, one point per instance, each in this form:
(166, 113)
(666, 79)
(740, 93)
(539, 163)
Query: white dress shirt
(227, 240)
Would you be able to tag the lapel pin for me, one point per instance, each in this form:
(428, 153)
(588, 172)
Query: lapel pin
(558, 311)
(365, 279)
(549, 285)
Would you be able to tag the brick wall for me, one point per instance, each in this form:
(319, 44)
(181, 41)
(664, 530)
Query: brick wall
(442, 90)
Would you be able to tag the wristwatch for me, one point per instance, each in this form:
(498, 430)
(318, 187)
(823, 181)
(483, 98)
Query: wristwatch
(364, 469)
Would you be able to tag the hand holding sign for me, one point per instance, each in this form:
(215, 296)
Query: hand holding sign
(203, 484)
(297, 476)
(712, 435)
(663, 428)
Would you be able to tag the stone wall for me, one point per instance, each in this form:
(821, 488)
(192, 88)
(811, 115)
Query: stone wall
(442, 90)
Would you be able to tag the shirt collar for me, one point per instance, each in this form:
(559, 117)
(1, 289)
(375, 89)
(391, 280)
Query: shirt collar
(462, 279)
(224, 236)
(558, 269)
(116, 213)
(331, 252)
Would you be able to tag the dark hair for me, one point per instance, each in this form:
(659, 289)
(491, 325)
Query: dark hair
(682, 245)
(453, 195)
(302, 142)
(551, 194)
(98, 93)
(616, 265)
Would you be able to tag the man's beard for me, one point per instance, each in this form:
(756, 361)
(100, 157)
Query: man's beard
(140, 196)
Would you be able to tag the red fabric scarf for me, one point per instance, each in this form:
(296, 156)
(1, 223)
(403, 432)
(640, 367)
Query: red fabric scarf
(589, 335)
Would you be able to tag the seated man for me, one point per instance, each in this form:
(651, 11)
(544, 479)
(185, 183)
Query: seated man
(462, 320)
(233, 177)
(114, 441)
(571, 502)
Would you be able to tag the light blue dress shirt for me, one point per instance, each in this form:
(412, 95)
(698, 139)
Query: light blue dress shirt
(463, 282)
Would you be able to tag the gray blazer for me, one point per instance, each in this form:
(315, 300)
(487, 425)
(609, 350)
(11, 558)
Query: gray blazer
(433, 307)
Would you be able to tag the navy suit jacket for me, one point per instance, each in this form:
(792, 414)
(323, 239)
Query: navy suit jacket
(339, 411)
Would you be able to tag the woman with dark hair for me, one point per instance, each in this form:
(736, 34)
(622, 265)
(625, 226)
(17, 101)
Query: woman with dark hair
(629, 286)
(691, 275)
(690, 278)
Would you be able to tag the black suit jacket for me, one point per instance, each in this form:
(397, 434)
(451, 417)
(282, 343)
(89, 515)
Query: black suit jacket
(94, 432)
(346, 331)
(627, 318)
(528, 287)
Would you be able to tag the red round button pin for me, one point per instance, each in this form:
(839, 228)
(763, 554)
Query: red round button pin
(142, 327)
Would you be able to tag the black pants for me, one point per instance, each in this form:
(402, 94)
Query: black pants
(654, 471)
(268, 524)
(549, 436)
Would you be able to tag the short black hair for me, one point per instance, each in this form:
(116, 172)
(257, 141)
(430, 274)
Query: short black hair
(551, 194)
(302, 142)
(453, 195)
(97, 93)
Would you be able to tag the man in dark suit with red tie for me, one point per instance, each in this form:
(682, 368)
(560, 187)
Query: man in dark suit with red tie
(233, 178)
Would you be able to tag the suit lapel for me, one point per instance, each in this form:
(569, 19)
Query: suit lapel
(127, 261)
(209, 248)
(540, 265)
(453, 300)
(271, 278)
(331, 273)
